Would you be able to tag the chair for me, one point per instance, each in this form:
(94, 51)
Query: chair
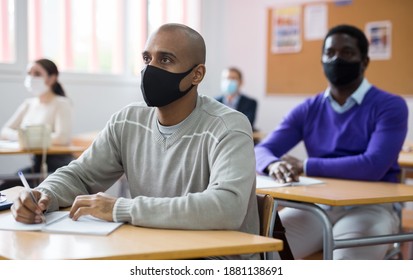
(265, 212)
(407, 225)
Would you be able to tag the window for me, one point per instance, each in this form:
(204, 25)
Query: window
(104, 37)
(7, 31)
(179, 11)
(86, 35)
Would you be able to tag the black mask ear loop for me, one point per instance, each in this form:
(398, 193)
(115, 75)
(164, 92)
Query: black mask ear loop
(192, 85)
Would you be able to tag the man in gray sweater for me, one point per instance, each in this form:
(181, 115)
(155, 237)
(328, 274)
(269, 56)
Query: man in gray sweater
(188, 159)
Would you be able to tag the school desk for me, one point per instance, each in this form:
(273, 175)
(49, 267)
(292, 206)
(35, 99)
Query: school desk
(130, 242)
(335, 192)
(52, 150)
(406, 161)
(257, 136)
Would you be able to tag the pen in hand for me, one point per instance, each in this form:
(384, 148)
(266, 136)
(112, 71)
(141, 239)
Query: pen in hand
(27, 187)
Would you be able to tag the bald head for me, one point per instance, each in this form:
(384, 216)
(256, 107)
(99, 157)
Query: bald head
(173, 49)
(186, 38)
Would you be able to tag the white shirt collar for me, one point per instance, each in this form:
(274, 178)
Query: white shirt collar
(356, 98)
(358, 95)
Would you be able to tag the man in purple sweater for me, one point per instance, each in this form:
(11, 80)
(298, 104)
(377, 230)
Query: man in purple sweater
(353, 131)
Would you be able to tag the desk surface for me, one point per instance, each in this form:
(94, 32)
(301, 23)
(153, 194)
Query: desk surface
(258, 136)
(53, 150)
(406, 155)
(406, 159)
(337, 192)
(130, 242)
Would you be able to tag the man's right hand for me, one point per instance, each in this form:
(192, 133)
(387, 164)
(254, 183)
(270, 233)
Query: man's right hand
(25, 210)
(283, 172)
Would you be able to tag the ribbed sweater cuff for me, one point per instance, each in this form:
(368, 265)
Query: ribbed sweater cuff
(53, 203)
(122, 210)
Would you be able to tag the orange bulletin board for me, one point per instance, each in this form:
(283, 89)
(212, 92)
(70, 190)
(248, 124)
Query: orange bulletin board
(302, 73)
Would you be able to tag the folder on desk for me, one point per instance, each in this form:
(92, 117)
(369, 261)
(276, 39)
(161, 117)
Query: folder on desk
(264, 182)
(6, 204)
(60, 222)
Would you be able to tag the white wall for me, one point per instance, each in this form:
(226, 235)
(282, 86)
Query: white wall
(235, 34)
(94, 102)
(242, 42)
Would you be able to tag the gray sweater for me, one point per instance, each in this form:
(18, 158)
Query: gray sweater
(201, 177)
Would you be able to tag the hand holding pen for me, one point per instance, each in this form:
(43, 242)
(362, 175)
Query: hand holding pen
(30, 205)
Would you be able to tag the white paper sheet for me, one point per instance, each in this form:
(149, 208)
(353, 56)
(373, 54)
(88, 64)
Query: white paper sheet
(60, 222)
(264, 182)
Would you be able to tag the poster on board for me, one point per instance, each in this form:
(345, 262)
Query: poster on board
(379, 35)
(315, 21)
(286, 30)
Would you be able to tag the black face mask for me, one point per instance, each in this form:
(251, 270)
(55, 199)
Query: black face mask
(160, 87)
(341, 72)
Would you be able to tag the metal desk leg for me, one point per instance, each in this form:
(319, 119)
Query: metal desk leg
(403, 175)
(328, 241)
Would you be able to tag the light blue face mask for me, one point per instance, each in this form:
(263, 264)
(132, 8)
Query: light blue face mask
(229, 86)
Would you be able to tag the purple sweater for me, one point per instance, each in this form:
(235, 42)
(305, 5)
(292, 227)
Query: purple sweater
(360, 144)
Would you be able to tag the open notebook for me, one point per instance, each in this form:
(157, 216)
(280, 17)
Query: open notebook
(264, 182)
(60, 222)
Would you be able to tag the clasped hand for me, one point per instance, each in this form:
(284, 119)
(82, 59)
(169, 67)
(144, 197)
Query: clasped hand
(287, 170)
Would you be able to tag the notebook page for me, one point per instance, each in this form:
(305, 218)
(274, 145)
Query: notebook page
(7, 222)
(264, 182)
(84, 225)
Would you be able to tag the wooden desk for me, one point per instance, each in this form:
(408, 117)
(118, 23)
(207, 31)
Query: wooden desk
(84, 140)
(406, 163)
(130, 242)
(335, 192)
(80, 143)
(53, 150)
(257, 136)
(406, 160)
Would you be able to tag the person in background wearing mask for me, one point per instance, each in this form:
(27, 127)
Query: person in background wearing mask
(49, 106)
(231, 83)
(353, 130)
(180, 153)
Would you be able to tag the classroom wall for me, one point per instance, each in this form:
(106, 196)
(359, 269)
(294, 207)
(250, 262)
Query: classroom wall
(244, 38)
(94, 103)
(235, 34)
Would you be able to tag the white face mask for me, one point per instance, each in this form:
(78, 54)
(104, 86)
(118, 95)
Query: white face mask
(35, 85)
(229, 86)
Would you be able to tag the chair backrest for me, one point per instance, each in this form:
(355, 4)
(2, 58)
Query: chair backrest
(265, 211)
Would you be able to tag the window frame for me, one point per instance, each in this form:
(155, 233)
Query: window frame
(20, 30)
(15, 71)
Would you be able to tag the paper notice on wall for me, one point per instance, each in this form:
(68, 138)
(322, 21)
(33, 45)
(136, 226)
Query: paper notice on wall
(315, 21)
(379, 35)
(286, 30)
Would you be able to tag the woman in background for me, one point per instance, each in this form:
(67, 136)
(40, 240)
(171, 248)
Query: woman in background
(49, 106)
